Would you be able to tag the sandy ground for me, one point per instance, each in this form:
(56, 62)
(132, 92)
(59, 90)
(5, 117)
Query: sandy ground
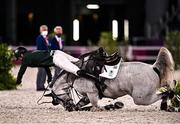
(20, 107)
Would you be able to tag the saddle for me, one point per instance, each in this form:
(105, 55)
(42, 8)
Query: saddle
(111, 66)
(96, 61)
(112, 59)
(111, 71)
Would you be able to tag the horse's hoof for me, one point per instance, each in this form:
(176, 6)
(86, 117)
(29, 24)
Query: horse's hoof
(118, 105)
(170, 109)
(164, 106)
(55, 102)
(109, 107)
(70, 107)
(173, 109)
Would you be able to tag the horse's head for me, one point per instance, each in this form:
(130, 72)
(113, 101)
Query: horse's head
(91, 62)
(60, 91)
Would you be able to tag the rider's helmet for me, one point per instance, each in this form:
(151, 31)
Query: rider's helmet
(19, 51)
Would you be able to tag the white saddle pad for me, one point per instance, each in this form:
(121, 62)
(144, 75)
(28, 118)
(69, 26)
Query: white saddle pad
(110, 72)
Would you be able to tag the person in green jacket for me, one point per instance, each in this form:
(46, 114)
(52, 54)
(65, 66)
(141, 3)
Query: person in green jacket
(47, 59)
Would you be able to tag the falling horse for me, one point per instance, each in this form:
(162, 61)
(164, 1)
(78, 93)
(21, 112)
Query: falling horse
(139, 80)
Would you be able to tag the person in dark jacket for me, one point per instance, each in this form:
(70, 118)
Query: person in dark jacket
(47, 59)
(42, 43)
(57, 44)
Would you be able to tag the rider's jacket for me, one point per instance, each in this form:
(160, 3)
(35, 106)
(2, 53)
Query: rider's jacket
(36, 59)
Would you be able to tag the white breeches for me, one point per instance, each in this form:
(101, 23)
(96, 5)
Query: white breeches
(64, 61)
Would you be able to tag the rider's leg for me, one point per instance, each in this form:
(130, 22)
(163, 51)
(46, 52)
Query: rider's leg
(64, 61)
(67, 56)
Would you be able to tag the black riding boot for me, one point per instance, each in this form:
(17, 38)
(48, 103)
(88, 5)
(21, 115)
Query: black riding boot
(83, 73)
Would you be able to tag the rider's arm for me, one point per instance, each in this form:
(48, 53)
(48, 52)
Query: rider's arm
(48, 71)
(21, 72)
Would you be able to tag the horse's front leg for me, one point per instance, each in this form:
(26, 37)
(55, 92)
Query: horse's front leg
(164, 105)
(95, 101)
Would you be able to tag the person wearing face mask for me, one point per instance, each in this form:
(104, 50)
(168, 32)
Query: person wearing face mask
(42, 43)
(57, 44)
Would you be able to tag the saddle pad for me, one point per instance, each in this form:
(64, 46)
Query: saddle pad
(110, 72)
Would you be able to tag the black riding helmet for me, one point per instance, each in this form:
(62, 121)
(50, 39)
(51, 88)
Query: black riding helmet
(19, 51)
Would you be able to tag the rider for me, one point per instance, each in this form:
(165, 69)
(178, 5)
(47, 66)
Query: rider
(47, 59)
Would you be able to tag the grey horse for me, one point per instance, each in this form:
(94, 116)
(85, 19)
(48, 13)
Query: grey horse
(139, 80)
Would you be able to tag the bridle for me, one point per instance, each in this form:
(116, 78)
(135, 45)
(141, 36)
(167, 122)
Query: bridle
(67, 103)
(58, 97)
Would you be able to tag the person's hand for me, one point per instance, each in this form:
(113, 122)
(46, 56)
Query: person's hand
(18, 82)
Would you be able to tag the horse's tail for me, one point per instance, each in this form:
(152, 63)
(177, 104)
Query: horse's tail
(165, 64)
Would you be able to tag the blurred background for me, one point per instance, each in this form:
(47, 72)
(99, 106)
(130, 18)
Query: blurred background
(142, 25)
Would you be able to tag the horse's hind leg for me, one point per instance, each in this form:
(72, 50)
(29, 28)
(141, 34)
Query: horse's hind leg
(164, 104)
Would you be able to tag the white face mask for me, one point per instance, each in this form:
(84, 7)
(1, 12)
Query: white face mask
(44, 33)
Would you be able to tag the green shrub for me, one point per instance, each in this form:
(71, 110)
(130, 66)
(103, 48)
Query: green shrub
(108, 43)
(174, 101)
(173, 44)
(7, 81)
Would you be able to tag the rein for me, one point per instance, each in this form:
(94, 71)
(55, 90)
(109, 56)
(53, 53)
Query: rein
(72, 96)
(83, 57)
(43, 96)
(56, 96)
(52, 92)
